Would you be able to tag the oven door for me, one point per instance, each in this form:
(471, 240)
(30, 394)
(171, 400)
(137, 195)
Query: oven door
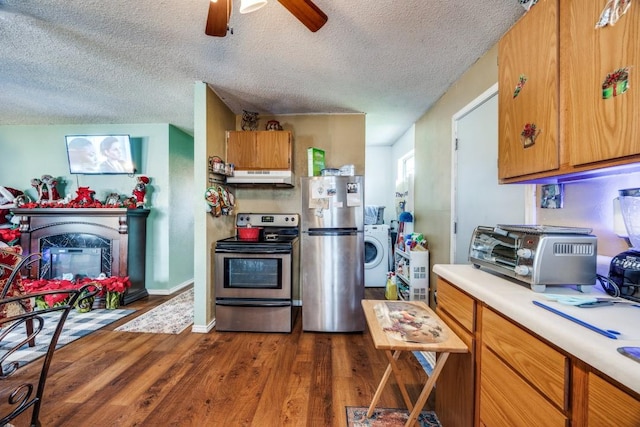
(253, 275)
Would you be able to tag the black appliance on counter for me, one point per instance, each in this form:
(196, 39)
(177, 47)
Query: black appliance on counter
(255, 278)
(624, 271)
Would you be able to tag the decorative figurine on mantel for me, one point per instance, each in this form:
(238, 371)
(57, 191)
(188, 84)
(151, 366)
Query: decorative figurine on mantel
(46, 188)
(113, 201)
(140, 190)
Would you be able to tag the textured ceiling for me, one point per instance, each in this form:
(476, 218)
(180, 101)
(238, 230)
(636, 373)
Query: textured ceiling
(136, 61)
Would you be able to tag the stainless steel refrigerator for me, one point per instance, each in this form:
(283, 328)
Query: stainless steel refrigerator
(332, 257)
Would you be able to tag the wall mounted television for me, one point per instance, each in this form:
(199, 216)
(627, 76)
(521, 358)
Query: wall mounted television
(100, 154)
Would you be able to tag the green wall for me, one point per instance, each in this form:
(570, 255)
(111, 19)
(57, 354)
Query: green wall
(180, 206)
(167, 158)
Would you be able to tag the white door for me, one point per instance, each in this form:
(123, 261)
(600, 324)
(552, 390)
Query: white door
(478, 199)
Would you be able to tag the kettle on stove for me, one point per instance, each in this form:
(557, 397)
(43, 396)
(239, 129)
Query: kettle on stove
(624, 270)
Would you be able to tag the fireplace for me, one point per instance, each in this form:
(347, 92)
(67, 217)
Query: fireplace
(105, 240)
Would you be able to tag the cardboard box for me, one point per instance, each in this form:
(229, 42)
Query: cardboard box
(315, 161)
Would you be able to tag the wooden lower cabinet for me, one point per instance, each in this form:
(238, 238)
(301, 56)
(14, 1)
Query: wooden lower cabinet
(506, 399)
(599, 403)
(512, 377)
(455, 390)
(610, 406)
(543, 367)
(522, 379)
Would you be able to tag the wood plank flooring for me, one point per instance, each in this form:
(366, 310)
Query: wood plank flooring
(113, 378)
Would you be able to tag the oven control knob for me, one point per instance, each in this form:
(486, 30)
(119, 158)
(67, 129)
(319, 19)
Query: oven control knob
(522, 270)
(525, 253)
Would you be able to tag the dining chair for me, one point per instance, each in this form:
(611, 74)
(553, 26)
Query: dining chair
(21, 393)
(11, 265)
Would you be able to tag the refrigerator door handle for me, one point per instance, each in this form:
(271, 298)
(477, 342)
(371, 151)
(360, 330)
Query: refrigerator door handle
(332, 231)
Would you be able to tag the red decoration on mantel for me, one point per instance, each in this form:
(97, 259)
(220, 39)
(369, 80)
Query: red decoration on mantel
(85, 196)
(85, 199)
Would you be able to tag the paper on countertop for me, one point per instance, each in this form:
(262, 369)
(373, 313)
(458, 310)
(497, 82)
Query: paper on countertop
(571, 299)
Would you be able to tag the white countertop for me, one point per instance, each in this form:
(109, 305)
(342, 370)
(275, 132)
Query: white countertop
(515, 301)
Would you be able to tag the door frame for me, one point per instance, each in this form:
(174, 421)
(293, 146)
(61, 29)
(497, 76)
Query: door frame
(530, 190)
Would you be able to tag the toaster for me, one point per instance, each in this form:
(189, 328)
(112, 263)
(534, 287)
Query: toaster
(537, 255)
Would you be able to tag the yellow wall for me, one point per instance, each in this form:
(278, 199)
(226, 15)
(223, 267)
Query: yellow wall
(341, 136)
(212, 118)
(433, 156)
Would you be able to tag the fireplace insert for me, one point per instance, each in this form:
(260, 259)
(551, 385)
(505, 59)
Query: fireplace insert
(74, 263)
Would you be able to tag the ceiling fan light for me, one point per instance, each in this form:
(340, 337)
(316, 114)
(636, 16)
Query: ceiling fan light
(247, 6)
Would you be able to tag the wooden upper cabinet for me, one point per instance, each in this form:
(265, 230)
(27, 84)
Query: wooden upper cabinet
(259, 150)
(584, 129)
(529, 94)
(599, 129)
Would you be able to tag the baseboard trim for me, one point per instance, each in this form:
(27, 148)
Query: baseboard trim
(172, 290)
(204, 329)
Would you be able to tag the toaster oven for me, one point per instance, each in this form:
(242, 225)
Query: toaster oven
(537, 255)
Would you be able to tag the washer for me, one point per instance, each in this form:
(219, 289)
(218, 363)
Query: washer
(377, 250)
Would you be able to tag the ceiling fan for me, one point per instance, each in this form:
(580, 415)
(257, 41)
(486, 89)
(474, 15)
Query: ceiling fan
(220, 12)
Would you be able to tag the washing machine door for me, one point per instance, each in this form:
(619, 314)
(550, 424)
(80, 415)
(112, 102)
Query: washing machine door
(373, 252)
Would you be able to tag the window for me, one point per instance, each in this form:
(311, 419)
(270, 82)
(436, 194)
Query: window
(404, 182)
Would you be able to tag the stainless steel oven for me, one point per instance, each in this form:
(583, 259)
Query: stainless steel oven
(254, 278)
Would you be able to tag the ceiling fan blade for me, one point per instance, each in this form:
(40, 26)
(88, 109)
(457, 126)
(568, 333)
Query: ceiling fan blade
(307, 12)
(218, 18)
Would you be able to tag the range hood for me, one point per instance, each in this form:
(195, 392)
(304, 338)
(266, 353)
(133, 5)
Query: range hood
(278, 178)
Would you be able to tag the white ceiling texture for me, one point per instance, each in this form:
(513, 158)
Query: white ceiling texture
(136, 61)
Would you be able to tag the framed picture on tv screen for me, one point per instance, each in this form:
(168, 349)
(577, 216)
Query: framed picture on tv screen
(100, 154)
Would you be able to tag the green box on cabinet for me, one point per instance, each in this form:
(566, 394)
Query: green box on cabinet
(315, 159)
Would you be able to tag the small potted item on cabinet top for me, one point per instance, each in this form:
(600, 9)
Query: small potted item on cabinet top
(273, 125)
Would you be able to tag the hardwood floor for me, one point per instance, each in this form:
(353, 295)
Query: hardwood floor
(113, 378)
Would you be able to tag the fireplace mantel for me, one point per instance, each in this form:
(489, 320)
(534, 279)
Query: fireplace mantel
(125, 229)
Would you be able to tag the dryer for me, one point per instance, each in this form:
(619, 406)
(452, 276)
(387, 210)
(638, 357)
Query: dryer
(377, 255)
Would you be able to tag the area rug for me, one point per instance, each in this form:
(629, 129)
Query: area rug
(171, 317)
(76, 326)
(387, 417)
